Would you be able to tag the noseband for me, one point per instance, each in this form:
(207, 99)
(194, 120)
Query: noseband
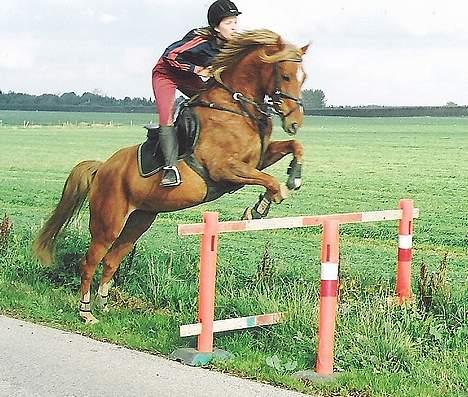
(278, 95)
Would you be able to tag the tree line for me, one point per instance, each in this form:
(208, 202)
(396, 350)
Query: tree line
(94, 102)
(70, 101)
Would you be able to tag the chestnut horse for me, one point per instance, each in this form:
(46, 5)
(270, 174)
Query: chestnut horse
(232, 147)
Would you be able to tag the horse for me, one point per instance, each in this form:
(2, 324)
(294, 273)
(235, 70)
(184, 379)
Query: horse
(255, 74)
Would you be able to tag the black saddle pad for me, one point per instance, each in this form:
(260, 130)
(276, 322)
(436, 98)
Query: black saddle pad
(150, 158)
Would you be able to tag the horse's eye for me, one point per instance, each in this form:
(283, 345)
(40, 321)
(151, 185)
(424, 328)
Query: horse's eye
(285, 78)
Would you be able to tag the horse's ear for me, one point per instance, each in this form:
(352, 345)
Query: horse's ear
(305, 48)
(280, 43)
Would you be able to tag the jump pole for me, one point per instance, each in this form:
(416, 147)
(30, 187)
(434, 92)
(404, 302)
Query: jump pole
(328, 284)
(405, 251)
(206, 298)
(206, 326)
(328, 296)
(207, 283)
(329, 263)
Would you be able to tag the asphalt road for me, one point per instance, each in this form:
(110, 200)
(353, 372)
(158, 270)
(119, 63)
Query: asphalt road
(37, 361)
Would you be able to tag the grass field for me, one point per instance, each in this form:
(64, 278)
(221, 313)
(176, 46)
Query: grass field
(18, 117)
(351, 165)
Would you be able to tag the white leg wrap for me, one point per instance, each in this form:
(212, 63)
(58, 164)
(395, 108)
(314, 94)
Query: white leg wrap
(263, 205)
(85, 303)
(297, 183)
(85, 309)
(103, 292)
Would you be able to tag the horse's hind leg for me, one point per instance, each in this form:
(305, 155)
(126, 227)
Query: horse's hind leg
(93, 257)
(137, 223)
(105, 227)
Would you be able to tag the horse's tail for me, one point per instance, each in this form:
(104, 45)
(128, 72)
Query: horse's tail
(74, 194)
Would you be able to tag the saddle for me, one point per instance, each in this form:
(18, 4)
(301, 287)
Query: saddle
(187, 125)
(150, 158)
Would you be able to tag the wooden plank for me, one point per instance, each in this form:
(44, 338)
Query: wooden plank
(294, 222)
(231, 324)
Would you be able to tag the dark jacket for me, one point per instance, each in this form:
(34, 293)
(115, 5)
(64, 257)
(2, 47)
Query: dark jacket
(193, 53)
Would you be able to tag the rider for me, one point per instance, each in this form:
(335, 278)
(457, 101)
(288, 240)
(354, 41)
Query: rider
(182, 66)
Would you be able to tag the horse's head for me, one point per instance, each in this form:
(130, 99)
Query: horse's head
(259, 63)
(284, 80)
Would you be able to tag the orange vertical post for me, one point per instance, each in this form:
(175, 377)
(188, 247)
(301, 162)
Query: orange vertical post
(328, 297)
(207, 284)
(405, 251)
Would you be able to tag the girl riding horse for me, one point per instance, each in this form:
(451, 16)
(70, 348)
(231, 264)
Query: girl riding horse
(181, 67)
(232, 146)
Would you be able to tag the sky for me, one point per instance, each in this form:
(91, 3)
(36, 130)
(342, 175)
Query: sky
(368, 52)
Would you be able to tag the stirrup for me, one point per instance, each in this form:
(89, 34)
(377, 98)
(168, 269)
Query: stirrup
(170, 177)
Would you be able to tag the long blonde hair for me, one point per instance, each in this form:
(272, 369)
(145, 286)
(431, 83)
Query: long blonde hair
(206, 32)
(243, 43)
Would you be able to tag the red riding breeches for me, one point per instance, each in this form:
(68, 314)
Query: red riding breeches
(166, 79)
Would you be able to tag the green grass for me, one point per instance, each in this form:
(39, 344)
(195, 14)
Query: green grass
(351, 165)
(19, 117)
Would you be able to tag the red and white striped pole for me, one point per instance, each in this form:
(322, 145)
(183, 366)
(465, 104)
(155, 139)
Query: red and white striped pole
(405, 251)
(207, 286)
(328, 297)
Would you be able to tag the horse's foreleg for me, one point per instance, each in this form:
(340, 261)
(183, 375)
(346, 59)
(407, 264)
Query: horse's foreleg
(137, 223)
(244, 174)
(276, 150)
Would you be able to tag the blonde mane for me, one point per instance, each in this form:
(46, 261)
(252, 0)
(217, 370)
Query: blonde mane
(244, 43)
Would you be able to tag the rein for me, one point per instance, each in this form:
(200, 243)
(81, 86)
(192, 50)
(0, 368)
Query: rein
(239, 98)
(196, 101)
(265, 108)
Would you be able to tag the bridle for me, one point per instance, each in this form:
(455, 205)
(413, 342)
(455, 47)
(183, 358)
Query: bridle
(273, 105)
(276, 97)
(279, 95)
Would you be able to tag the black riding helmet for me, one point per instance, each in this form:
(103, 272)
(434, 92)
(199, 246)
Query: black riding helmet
(221, 9)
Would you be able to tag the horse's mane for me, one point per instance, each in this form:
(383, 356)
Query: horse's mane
(243, 43)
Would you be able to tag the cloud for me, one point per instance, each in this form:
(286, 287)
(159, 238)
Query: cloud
(17, 53)
(107, 18)
(89, 12)
(387, 52)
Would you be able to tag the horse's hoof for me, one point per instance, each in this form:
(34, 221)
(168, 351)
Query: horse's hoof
(103, 309)
(294, 183)
(247, 216)
(281, 195)
(88, 318)
(101, 303)
(284, 191)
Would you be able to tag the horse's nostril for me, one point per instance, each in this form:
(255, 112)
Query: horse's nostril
(293, 128)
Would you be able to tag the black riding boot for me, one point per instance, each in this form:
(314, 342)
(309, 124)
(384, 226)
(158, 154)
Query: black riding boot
(169, 148)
